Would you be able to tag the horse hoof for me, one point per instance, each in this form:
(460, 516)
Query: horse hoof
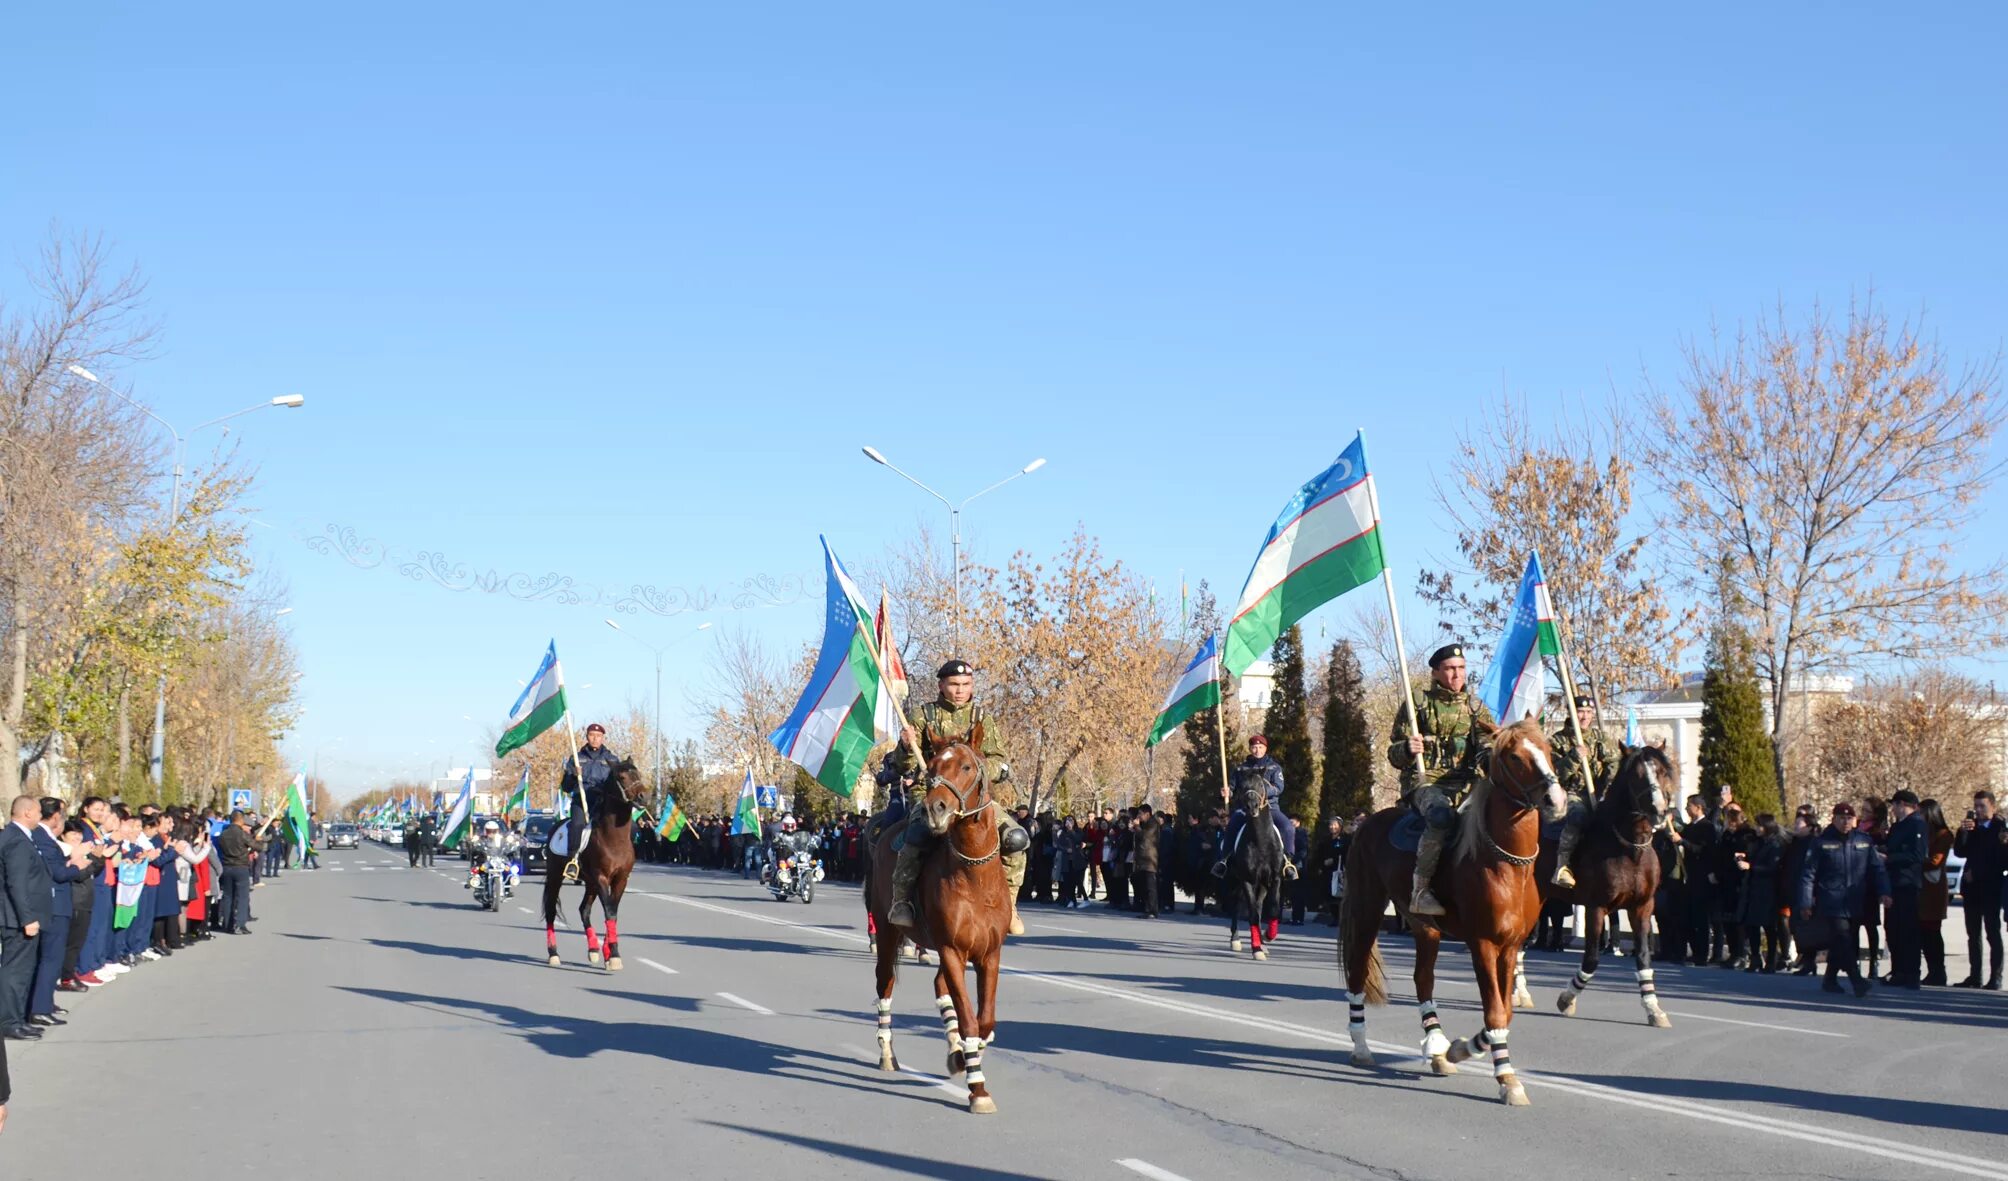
(1234, 945)
(1513, 1094)
(888, 1063)
(1442, 1065)
(1260, 954)
(1364, 1058)
(554, 961)
(614, 964)
(1565, 1005)
(954, 1063)
(592, 957)
(982, 1105)
(1459, 1050)
(1659, 1020)
(1523, 1000)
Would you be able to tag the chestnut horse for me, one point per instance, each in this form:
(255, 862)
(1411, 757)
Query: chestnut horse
(1486, 882)
(963, 907)
(1617, 868)
(603, 867)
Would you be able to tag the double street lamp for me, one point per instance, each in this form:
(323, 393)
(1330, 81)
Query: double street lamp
(289, 401)
(954, 521)
(657, 753)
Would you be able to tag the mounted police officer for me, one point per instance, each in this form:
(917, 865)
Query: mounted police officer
(1569, 769)
(1258, 770)
(954, 716)
(587, 769)
(1438, 761)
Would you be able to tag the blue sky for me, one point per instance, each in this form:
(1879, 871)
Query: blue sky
(618, 291)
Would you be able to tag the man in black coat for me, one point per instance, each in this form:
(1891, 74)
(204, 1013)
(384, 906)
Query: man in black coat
(1906, 850)
(1840, 876)
(1982, 840)
(1697, 840)
(65, 870)
(25, 893)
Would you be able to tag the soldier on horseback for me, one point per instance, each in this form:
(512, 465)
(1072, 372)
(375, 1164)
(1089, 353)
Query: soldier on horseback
(954, 716)
(1438, 761)
(587, 769)
(1582, 797)
(1258, 770)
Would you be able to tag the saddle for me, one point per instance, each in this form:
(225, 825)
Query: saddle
(1406, 835)
(560, 844)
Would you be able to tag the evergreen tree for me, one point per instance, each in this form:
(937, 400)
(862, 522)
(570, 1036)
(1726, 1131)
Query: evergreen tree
(1735, 744)
(1348, 783)
(1199, 781)
(1288, 728)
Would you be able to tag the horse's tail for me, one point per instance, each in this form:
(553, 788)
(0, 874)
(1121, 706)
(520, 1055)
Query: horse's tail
(1359, 933)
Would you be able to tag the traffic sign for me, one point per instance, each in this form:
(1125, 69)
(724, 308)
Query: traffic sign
(240, 799)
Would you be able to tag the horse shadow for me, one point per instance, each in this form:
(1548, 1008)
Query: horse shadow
(901, 1163)
(574, 1037)
(1880, 1108)
(459, 952)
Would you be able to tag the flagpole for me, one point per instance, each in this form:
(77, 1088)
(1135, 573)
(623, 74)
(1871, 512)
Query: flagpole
(1393, 614)
(1220, 732)
(1569, 689)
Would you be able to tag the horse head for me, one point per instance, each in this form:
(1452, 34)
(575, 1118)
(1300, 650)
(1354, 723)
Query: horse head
(1521, 764)
(1254, 802)
(955, 788)
(626, 780)
(1640, 789)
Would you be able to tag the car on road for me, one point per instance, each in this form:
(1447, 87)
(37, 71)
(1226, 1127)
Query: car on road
(536, 836)
(343, 836)
(1955, 868)
(474, 824)
(393, 835)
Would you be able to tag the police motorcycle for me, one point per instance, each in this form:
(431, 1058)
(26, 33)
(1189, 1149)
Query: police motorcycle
(793, 868)
(494, 876)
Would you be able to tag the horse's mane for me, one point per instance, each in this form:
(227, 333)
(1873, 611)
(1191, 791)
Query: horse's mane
(1473, 808)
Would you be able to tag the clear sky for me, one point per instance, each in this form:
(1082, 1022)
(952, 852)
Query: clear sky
(617, 292)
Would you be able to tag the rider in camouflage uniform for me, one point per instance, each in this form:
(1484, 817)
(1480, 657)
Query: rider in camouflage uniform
(1435, 783)
(951, 718)
(1569, 769)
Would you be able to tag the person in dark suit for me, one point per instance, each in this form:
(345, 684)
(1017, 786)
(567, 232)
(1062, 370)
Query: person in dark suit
(65, 870)
(24, 907)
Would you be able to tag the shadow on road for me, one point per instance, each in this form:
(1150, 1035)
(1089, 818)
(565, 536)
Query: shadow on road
(1881, 1108)
(897, 1162)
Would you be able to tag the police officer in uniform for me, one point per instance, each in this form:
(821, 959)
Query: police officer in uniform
(952, 717)
(1569, 769)
(1438, 761)
(597, 761)
(1259, 770)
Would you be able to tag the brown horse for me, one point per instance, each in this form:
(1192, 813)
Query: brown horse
(603, 867)
(1616, 868)
(964, 909)
(1486, 882)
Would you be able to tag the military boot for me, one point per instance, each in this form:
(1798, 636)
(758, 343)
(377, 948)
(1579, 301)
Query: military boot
(905, 872)
(1427, 853)
(1013, 841)
(1565, 852)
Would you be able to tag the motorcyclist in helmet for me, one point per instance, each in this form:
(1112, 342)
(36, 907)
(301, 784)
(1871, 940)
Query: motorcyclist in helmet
(787, 844)
(495, 842)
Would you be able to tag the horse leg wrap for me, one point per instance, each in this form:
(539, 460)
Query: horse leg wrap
(1270, 934)
(946, 1007)
(1502, 1060)
(1255, 936)
(592, 939)
(1582, 981)
(551, 938)
(613, 932)
(1648, 992)
(1435, 1043)
(885, 1021)
(972, 1061)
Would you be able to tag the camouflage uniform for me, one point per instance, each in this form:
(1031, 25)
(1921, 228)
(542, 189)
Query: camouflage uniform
(940, 726)
(1582, 799)
(1449, 764)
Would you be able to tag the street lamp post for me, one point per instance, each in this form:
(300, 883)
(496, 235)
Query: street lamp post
(954, 521)
(656, 754)
(290, 401)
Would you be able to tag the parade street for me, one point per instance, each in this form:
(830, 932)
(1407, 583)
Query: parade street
(376, 1023)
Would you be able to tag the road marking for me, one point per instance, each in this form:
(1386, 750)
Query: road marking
(527, 910)
(334, 869)
(743, 1003)
(665, 969)
(1665, 1105)
(1757, 1024)
(1149, 1170)
(1051, 927)
(367, 868)
(961, 1093)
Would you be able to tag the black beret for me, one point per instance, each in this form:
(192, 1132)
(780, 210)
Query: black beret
(1447, 652)
(954, 668)
(1583, 701)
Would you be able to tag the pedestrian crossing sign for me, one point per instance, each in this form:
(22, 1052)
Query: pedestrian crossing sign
(240, 799)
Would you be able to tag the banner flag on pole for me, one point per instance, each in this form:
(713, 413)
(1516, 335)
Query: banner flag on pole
(1516, 682)
(847, 707)
(895, 668)
(296, 818)
(539, 707)
(1198, 688)
(519, 798)
(1325, 542)
(673, 820)
(458, 820)
(1631, 726)
(746, 816)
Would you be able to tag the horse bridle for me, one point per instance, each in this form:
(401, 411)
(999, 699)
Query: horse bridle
(1523, 801)
(964, 812)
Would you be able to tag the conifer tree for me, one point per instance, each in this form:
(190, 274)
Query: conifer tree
(1347, 786)
(1288, 728)
(1735, 744)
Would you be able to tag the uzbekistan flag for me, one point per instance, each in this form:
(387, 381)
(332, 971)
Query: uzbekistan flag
(296, 815)
(520, 798)
(1516, 683)
(539, 708)
(895, 668)
(458, 820)
(1325, 542)
(673, 819)
(848, 706)
(746, 817)
(1198, 688)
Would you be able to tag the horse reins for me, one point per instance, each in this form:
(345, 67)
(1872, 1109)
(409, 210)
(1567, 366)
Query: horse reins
(1523, 802)
(965, 812)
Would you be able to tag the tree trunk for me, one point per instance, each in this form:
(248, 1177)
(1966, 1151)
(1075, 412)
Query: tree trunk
(14, 704)
(125, 734)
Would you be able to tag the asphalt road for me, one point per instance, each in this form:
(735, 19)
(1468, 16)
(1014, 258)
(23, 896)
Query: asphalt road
(377, 1021)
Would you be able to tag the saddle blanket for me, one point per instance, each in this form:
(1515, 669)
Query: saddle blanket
(561, 841)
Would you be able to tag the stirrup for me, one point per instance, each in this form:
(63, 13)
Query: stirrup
(1219, 869)
(902, 907)
(1289, 872)
(1563, 878)
(572, 870)
(1424, 902)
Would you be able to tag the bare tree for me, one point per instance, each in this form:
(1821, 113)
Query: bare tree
(1931, 731)
(1829, 472)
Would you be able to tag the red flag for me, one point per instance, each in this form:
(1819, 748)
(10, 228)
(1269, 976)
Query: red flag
(889, 661)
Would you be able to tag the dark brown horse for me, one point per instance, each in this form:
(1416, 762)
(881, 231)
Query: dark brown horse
(964, 909)
(603, 867)
(1616, 868)
(1486, 882)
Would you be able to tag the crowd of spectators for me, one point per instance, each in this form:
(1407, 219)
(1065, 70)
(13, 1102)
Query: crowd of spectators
(90, 896)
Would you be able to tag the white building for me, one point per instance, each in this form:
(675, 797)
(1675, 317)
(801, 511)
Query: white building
(1674, 716)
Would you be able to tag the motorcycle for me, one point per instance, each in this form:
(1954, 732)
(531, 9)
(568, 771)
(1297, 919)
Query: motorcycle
(795, 876)
(493, 884)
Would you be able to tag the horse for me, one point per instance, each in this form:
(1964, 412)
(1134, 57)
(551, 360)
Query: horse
(1616, 868)
(603, 867)
(964, 909)
(1254, 884)
(1486, 882)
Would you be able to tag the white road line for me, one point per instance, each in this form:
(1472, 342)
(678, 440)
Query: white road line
(665, 969)
(961, 1093)
(1665, 1105)
(367, 868)
(1149, 1170)
(1757, 1024)
(743, 1003)
(527, 910)
(334, 869)
(1051, 927)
